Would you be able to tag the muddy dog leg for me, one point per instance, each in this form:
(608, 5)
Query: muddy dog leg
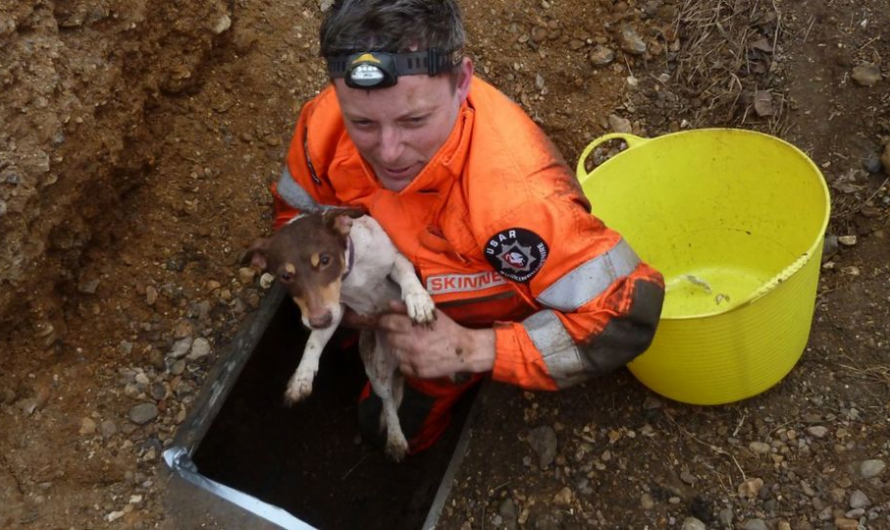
(300, 385)
(382, 368)
(420, 306)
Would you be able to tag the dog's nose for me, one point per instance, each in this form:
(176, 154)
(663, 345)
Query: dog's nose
(322, 320)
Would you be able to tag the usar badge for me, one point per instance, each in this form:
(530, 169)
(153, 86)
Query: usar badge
(516, 253)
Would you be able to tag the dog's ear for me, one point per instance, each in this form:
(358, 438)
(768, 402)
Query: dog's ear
(340, 219)
(256, 255)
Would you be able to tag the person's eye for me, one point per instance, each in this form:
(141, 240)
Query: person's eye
(417, 120)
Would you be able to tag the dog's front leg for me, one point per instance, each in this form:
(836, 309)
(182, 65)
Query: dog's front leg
(300, 385)
(420, 306)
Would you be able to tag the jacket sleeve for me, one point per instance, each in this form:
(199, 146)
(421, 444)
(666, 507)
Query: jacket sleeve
(598, 304)
(304, 184)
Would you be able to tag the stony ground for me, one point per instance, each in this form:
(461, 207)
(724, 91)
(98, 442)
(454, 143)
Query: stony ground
(146, 289)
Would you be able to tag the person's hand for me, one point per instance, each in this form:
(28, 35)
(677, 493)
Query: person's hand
(353, 320)
(441, 349)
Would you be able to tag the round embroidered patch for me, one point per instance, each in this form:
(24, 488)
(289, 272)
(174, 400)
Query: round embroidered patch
(516, 253)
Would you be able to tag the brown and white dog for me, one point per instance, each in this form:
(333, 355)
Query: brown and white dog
(343, 258)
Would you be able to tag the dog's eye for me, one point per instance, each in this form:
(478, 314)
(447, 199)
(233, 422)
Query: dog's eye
(286, 277)
(325, 260)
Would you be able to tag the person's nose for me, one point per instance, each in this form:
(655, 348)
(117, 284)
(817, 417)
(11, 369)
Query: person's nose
(391, 146)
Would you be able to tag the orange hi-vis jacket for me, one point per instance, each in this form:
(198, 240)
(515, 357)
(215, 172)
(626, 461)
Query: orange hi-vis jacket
(500, 234)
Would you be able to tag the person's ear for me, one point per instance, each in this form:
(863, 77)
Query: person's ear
(464, 78)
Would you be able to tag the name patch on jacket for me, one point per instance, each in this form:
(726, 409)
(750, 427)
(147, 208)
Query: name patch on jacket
(516, 253)
(462, 283)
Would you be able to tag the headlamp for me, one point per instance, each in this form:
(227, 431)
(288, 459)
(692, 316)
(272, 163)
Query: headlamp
(381, 69)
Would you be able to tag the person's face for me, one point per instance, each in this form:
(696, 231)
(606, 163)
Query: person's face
(398, 129)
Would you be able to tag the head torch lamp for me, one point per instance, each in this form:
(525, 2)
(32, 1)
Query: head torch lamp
(381, 69)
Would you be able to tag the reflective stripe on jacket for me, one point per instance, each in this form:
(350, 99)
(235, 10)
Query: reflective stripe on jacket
(501, 236)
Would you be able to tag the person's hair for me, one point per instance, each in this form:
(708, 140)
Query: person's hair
(393, 26)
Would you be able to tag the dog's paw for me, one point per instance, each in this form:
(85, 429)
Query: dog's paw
(421, 308)
(396, 446)
(298, 389)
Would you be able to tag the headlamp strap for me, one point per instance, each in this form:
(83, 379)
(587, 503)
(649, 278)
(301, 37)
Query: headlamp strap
(430, 62)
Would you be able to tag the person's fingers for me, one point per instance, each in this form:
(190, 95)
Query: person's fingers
(398, 306)
(353, 320)
(394, 322)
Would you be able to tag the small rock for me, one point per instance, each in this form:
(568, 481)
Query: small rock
(87, 427)
(156, 359)
(838, 495)
(756, 524)
(691, 523)
(88, 286)
(222, 24)
(646, 502)
(688, 478)
(872, 163)
(507, 511)
(563, 497)
(543, 441)
(783, 525)
(871, 468)
(108, 429)
(266, 280)
(829, 248)
(178, 367)
(246, 275)
(859, 499)
(151, 295)
(143, 413)
(28, 405)
(652, 403)
(181, 348)
(759, 448)
(866, 74)
(842, 523)
(619, 124)
(750, 487)
(601, 56)
(847, 241)
(726, 516)
(763, 103)
(157, 391)
(200, 349)
(817, 430)
(630, 40)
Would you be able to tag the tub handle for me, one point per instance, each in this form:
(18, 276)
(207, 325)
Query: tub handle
(630, 139)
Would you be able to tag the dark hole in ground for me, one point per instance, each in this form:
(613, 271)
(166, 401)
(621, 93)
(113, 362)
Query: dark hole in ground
(305, 459)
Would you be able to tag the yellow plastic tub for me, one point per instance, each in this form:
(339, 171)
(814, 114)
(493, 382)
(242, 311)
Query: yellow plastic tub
(735, 220)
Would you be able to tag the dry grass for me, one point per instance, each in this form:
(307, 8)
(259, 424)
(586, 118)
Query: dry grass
(728, 56)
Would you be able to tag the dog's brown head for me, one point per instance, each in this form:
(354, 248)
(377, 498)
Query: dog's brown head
(308, 256)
